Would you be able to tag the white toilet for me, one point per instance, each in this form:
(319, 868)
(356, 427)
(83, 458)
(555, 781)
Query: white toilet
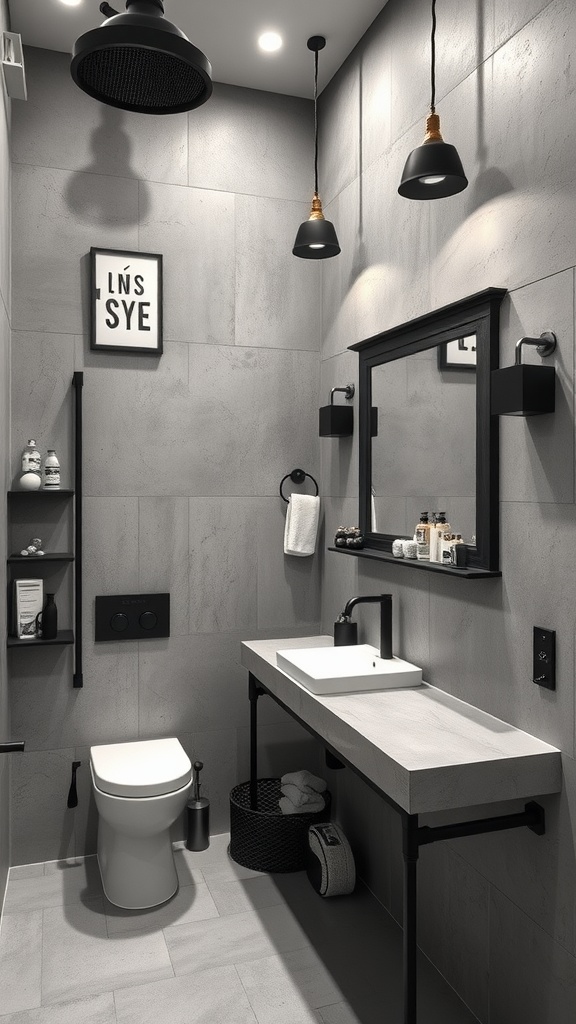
(140, 789)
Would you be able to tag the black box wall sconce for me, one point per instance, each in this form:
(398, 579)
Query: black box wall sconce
(337, 420)
(524, 390)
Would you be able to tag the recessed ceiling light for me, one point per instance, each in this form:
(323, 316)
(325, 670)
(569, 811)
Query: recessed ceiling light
(270, 41)
(71, 3)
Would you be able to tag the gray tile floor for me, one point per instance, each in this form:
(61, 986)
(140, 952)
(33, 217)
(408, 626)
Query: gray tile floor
(232, 947)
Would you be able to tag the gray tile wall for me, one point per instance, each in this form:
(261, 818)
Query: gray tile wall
(497, 913)
(183, 454)
(5, 171)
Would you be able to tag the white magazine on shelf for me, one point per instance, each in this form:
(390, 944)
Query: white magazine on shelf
(28, 600)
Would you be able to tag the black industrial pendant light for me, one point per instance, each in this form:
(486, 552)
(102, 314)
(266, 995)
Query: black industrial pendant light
(434, 170)
(139, 61)
(316, 238)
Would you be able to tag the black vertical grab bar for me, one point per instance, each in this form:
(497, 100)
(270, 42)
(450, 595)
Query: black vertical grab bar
(78, 383)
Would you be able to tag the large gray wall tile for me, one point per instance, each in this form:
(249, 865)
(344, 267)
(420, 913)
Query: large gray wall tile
(457, 941)
(497, 676)
(57, 216)
(194, 230)
(163, 555)
(223, 549)
(537, 985)
(339, 113)
(277, 294)
(138, 423)
(42, 826)
(111, 141)
(253, 143)
(188, 683)
(51, 714)
(42, 407)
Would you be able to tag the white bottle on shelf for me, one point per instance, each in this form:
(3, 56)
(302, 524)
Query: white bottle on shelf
(51, 471)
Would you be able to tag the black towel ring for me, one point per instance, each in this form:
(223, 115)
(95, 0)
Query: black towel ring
(297, 476)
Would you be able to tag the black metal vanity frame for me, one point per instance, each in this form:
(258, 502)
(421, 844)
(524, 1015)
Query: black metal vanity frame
(477, 314)
(414, 835)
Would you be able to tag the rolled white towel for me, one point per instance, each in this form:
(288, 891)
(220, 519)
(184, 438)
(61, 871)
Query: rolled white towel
(287, 807)
(304, 780)
(301, 526)
(299, 797)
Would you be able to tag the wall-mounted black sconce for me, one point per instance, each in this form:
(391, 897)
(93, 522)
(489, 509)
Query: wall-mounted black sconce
(523, 390)
(337, 420)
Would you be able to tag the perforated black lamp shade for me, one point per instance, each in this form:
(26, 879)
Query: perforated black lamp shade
(141, 62)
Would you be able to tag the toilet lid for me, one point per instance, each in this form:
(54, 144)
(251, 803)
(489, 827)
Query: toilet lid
(143, 768)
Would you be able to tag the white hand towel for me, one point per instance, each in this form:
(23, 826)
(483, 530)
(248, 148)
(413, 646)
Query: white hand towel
(301, 525)
(287, 807)
(298, 797)
(303, 780)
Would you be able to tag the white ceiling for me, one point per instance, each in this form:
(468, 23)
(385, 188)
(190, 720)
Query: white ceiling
(226, 31)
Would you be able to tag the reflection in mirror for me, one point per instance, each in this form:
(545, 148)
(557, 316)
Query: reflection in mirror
(424, 458)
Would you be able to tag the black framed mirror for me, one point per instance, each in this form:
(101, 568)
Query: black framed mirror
(427, 439)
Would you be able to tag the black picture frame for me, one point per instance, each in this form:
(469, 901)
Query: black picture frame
(448, 360)
(477, 314)
(133, 305)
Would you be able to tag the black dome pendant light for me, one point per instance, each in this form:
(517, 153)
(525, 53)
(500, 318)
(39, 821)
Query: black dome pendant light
(139, 61)
(316, 238)
(433, 170)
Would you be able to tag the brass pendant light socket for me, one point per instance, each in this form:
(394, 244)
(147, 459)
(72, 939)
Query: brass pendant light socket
(433, 133)
(316, 212)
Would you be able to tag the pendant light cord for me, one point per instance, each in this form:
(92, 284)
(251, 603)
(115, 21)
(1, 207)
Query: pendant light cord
(316, 122)
(433, 60)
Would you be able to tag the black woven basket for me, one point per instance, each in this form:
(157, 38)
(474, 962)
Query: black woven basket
(265, 839)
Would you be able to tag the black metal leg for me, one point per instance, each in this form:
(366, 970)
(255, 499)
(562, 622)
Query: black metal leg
(253, 691)
(409, 946)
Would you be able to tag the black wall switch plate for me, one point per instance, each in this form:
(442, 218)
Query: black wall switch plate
(544, 658)
(132, 617)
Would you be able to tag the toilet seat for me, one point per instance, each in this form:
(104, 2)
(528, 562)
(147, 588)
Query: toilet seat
(143, 768)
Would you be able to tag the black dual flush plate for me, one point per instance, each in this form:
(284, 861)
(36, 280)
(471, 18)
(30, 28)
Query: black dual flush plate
(132, 617)
(544, 658)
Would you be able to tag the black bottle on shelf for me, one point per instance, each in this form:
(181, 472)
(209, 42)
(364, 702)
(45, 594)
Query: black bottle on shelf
(49, 619)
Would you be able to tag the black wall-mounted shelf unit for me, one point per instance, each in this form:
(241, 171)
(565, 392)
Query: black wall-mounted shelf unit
(45, 498)
(467, 573)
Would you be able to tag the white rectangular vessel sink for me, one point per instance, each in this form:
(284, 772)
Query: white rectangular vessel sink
(346, 669)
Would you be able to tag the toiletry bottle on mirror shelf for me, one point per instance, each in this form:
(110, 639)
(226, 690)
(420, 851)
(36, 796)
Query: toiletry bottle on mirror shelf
(437, 535)
(422, 538)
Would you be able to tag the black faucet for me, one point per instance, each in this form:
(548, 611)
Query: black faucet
(346, 632)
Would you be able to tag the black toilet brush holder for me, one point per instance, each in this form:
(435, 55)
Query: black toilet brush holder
(198, 814)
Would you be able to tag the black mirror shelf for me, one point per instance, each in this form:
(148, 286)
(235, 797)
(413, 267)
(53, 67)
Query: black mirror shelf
(477, 315)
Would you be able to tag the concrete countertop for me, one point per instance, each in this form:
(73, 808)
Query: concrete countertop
(425, 749)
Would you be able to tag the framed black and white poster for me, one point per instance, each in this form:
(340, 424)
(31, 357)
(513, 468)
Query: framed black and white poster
(459, 354)
(126, 297)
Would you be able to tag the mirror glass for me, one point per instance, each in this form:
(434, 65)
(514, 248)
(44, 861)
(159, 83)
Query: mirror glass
(424, 456)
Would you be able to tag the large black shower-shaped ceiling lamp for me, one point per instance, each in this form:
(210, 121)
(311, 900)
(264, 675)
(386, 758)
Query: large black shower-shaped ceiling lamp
(433, 170)
(316, 238)
(141, 62)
